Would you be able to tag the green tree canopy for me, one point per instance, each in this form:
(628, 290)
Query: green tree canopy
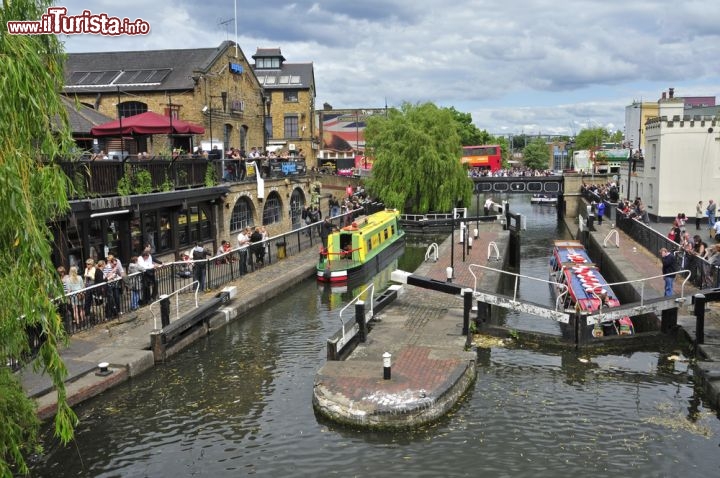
(536, 155)
(470, 135)
(33, 191)
(591, 138)
(417, 159)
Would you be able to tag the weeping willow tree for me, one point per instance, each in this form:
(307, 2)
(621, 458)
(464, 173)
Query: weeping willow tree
(417, 159)
(33, 191)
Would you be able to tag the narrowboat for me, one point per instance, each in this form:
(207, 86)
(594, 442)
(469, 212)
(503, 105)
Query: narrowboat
(362, 248)
(579, 284)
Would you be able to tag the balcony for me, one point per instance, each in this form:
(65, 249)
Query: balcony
(106, 178)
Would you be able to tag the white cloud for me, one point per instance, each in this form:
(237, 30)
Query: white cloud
(537, 65)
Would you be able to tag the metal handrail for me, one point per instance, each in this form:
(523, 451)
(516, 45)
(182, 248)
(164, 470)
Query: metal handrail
(355, 300)
(176, 293)
(493, 245)
(434, 250)
(617, 238)
(560, 297)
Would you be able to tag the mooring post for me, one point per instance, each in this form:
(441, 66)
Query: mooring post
(467, 306)
(360, 319)
(164, 310)
(699, 312)
(668, 321)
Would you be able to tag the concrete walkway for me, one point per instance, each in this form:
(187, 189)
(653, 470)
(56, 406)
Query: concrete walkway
(125, 343)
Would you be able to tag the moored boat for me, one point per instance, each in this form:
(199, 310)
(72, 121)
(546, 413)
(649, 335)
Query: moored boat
(361, 248)
(543, 199)
(582, 287)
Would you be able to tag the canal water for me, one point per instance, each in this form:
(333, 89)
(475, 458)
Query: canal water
(238, 403)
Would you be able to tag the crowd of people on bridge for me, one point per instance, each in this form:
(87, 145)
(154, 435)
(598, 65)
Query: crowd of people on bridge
(510, 172)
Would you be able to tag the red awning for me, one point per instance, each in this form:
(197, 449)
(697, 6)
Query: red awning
(146, 123)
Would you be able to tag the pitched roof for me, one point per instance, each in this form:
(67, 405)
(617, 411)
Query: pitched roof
(148, 70)
(290, 76)
(82, 119)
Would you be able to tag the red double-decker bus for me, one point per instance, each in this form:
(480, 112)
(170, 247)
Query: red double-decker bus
(484, 157)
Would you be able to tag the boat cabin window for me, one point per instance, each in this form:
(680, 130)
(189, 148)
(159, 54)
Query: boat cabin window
(345, 241)
(386, 233)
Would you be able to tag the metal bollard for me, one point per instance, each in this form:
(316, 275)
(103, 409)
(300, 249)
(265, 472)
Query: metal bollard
(449, 273)
(387, 363)
(699, 311)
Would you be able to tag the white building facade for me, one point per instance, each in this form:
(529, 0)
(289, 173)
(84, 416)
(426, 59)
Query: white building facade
(681, 163)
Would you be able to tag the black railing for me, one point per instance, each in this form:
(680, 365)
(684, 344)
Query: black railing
(101, 178)
(703, 274)
(101, 303)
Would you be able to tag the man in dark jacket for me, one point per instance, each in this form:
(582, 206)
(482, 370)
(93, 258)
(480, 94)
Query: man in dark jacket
(668, 267)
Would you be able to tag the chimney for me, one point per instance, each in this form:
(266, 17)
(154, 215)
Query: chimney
(672, 92)
(664, 95)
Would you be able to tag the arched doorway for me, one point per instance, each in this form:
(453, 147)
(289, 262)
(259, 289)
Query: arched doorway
(297, 203)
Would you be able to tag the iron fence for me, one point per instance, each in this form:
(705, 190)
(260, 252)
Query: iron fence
(108, 301)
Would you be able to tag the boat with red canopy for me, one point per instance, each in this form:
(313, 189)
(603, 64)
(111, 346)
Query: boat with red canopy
(582, 287)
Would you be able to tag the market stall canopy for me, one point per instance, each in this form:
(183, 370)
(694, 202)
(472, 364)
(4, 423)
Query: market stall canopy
(146, 123)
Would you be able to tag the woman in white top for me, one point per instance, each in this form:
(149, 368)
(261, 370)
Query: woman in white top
(74, 283)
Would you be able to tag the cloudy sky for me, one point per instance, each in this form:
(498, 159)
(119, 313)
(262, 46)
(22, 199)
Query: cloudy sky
(532, 66)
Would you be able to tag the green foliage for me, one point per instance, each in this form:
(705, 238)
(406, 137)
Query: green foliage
(470, 135)
(210, 178)
(167, 184)
(125, 183)
(417, 159)
(591, 138)
(33, 192)
(142, 182)
(536, 155)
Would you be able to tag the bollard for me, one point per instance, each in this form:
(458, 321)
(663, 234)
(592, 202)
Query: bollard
(387, 363)
(103, 369)
(360, 319)
(449, 273)
(475, 232)
(467, 305)
(164, 310)
(470, 241)
(699, 312)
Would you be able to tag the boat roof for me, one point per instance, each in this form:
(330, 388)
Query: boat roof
(582, 276)
(571, 252)
(372, 222)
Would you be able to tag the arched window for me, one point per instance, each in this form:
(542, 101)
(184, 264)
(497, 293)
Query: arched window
(297, 203)
(272, 209)
(227, 136)
(243, 138)
(242, 215)
(132, 108)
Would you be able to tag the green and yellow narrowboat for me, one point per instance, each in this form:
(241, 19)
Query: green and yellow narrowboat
(355, 251)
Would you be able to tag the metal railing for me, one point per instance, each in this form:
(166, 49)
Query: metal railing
(348, 333)
(704, 275)
(100, 178)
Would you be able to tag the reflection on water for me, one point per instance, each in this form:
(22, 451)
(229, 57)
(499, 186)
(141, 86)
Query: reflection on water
(238, 403)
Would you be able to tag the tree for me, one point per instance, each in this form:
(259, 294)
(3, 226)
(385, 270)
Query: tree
(417, 159)
(591, 138)
(470, 135)
(536, 155)
(33, 193)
